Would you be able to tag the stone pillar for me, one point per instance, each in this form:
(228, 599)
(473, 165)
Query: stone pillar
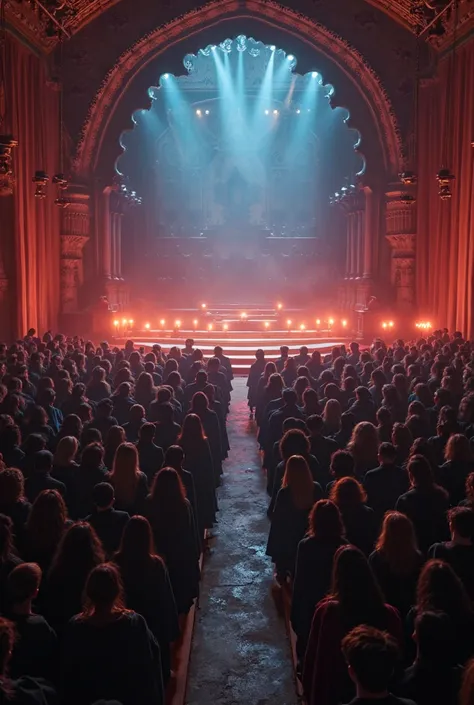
(401, 236)
(75, 228)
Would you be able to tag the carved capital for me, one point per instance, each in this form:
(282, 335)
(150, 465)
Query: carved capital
(72, 246)
(403, 245)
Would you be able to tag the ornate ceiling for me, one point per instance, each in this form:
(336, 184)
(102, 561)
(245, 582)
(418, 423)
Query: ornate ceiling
(42, 21)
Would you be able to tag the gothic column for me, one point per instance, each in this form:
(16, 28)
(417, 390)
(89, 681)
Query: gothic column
(75, 230)
(401, 236)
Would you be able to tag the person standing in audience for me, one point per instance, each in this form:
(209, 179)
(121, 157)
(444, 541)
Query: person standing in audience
(255, 373)
(147, 586)
(131, 673)
(107, 522)
(47, 522)
(129, 483)
(355, 599)
(385, 484)
(171, 519)
(397, 562)
(359, 520)
(314, 562)
(289, 524)
(150, 456)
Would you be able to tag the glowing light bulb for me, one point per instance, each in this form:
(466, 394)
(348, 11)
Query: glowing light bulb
(208, 112)
(314, 74)
(162, 322)
(243, 315)
(344, 323)
(195, 322)
(199, 112)
(267, 112)
(147, 326)
(225, 326)
(124, 321)
(203, 305)
(209, 327)
(288, 323)
(116, 323)
(391, 324)
(266, 324)
(318, 321)
(331, 321)
(178, 324)
(275, 112)
(298, 112)
(384, 325)
(279, 306)
(302, 326)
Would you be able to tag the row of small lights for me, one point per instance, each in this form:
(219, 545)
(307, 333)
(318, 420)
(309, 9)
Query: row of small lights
(275, 112)
(423, 325)
(129, 322)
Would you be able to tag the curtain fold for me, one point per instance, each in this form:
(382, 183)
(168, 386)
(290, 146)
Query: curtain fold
(445, 239)
(34, 246)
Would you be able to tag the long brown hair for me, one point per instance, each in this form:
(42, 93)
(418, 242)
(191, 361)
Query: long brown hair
(103, 592)
(364, 444)
(299, 480)
(397, 543)
(325, 522)
(78, 552)
(347, 493)
(440, 590)
(136, 545)
(167, 500)
(192, 435)
(125, 472)
(46, 523)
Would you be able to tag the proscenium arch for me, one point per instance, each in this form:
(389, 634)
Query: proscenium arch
(346, 59)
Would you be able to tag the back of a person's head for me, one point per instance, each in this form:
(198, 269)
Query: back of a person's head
(43, 461)
(147, 432)
(167, 492)
(384, 417)
(92, 456)
(174, 457)
(439, 589)
(348, 493)
(420, 473)
(325, 521)
(289, 397)
(342, 464)
(294, 442)
(11, 485)
(371, 656)
(387, 453)
(315, 423)
(458, 448)
(435, 637)
(103, 495)
(355, 587)
(397, 542)
(363, 394)
(192, 431)
(461, 521)
(6, 536)
(348, 421)
(78, 552)
(24, 582)
(103, 589)
(137, 540)
(199, 402)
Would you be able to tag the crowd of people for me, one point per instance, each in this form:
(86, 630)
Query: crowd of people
(110, 460)
(369, 459)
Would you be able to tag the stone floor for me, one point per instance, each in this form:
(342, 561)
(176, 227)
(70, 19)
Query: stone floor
(241, 654)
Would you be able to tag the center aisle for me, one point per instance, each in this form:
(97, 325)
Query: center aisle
(241, 654)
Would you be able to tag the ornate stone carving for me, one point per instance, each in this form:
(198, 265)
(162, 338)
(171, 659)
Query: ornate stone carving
(401, 236)
(343, 54)
(74, 235)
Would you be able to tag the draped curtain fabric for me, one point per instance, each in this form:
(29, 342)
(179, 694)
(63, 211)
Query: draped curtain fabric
(33, 246)
(445, 240)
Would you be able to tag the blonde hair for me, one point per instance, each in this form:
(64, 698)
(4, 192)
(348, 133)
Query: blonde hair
(66, 450)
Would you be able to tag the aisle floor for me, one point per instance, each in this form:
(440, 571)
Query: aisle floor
(241, 654)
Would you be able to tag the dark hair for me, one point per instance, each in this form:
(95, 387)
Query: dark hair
(147, 432)
(397, 543)
(347, 493)
(387, 451)
(314, 423)
(103, 590)
(289, 396)
(46, 523)
(92, 456)
(342, 464)
(136, 545)
(167, 500)
(440, 590)
(325, 521)
(11, 486)
(435, 637)
(103, 495)
(462, 521)
(174, 457)
(294, 442)
(372, 655)
(78, 552)
(6, 536)
(356, 589)
(43, 461)
(24, 582)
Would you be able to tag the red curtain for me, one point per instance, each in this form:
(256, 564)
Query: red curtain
(34, 246)
(445, 239)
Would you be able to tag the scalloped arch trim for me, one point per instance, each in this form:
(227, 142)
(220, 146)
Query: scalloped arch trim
(345, 56)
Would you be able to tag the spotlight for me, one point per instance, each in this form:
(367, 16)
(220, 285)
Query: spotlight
(225, 326)
(195, 322)
(116, 323)
(208, 112)
(290, 57)
(166, 75)
(124, 321)
(147, 326)
(314, 74)
(344, 323)
(279, 306)
(288, 323)
(331, 321)
(267, 325)
(131, 322)
(384, 325)
(267, 112)
(243, 315)
(203, 305)
(199, 113)
(318, 321)
(275, 112)
(162, 322)
(302, 326)
(177, 324)
(298, 112)
(209, 327)
(391, 324)
(272, 47)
